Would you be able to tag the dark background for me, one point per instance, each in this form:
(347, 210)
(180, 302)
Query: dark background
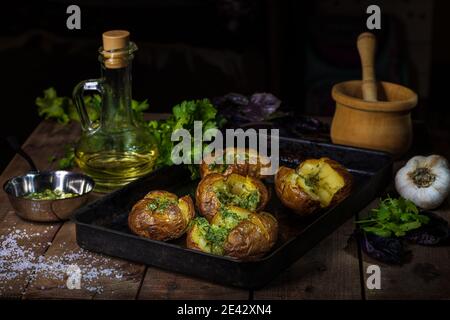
(203, 48)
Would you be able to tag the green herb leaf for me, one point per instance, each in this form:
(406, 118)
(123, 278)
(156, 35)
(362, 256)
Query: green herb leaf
(393, 217)
(63, 110)
(50, 106)
(183, 117)
(248, 200)
(68, 160)
(160, 204)
(214, 235)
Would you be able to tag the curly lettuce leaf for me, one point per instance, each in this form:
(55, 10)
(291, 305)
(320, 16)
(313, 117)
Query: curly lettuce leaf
(183, 117)
(50, 106)
(63, 109)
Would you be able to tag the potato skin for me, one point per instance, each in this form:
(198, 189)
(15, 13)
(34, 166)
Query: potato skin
(253, 238)
(167, 224)
(250, 239)
(294, 197)
(291, 195)
(244, 169)
(348, 179)
(206, 198)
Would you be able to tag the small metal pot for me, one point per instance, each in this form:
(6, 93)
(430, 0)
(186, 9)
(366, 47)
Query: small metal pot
(48, 210)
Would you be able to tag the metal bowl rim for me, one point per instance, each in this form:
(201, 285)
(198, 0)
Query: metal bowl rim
(83, 176)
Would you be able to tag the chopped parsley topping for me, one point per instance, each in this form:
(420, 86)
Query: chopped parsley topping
(216, 235)
(160, 204)
(48, 194)
(216, 167)
(248, 200)
(311, 180)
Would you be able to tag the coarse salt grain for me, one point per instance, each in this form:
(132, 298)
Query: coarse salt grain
(18, 261)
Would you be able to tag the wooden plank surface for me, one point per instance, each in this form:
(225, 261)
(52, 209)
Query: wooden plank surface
(19, 237)
(159, 284)
(426, 276)
(21, 244)
(41, 247)
(101, 277)
(327, 271)
(54, 246)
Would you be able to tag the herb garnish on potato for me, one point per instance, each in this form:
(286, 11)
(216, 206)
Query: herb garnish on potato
(234, 232)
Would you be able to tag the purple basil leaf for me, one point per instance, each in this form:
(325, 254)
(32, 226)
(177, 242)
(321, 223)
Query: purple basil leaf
(231, 99)
(262, 105)
(238, 109)
(387, 250)
(435, 232)
(230, 106)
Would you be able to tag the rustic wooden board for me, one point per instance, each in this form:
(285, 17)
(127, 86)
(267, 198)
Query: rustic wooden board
(157, 284)
(18, 238)
(160, 284)
(102, 277)
(46, 140)
(326, 272)
(49, 140)
(426, 276)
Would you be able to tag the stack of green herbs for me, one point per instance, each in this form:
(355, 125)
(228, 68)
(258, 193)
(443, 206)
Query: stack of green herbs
(393, 217)
(63, 110)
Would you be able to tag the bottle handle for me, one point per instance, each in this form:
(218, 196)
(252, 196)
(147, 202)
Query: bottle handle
(78, 94)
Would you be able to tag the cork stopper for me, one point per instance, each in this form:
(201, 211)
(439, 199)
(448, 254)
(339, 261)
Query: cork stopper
(115, 40)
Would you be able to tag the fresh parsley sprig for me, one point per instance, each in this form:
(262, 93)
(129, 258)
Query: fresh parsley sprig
(62, 110)
(393, 217)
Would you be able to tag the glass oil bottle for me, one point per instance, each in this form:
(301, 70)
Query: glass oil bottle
(118, 148)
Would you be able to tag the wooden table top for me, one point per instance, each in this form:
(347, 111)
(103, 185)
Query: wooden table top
(32, 256)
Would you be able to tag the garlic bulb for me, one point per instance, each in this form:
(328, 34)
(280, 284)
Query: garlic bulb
(424, 180)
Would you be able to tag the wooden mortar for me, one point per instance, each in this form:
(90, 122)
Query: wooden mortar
(370, 114)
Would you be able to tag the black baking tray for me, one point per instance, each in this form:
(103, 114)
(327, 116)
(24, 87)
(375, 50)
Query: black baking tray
(102, 225)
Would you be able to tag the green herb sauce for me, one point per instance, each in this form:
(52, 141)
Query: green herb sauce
(48, 194)
(160, 204)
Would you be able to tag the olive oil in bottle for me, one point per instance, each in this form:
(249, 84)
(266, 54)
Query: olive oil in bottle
(118, 149)
(112, 170)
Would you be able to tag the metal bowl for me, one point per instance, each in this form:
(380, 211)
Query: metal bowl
(48, 210)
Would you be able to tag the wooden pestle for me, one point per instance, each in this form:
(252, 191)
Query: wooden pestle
(361, 120)
(366, 47)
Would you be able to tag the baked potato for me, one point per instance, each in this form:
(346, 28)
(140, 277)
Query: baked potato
(246, 162)
(314, 184)
(234, 232)
(216, 190)
(161, 215)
